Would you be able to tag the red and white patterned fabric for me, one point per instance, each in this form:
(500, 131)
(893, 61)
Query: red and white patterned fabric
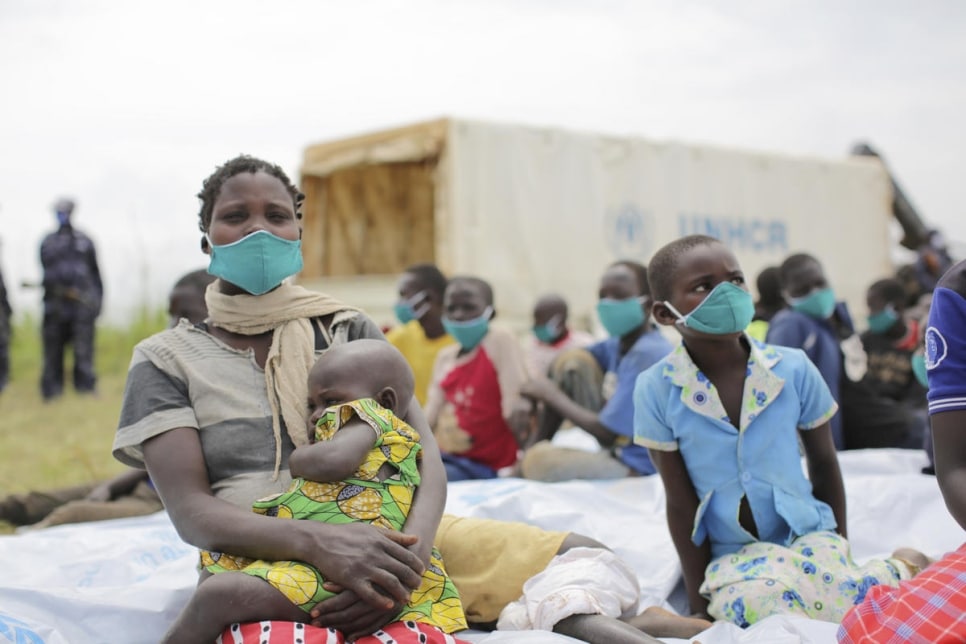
(928, 609)
(295, 633)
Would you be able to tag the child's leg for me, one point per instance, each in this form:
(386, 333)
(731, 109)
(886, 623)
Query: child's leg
(659, 622)
(224, 599)
(913, 559)
(654, 621)
(600, 629)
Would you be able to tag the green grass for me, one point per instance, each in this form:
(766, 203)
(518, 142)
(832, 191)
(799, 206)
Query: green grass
(67, 441)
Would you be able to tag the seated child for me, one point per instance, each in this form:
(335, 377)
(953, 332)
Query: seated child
(362, 467)
(474, 404)
(593, 388)
(551, 335)
(420, 334)
(722, 416)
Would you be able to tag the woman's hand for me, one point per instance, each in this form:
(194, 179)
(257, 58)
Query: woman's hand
(350, 616)
(376, 564)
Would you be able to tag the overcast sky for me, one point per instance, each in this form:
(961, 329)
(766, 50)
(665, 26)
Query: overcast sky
(127, 106)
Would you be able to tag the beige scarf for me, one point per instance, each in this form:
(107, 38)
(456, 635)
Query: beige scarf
(287, 311)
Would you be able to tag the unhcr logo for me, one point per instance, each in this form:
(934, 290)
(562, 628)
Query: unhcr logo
(630, 232)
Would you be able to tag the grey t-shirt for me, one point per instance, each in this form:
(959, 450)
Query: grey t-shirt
(185, 377)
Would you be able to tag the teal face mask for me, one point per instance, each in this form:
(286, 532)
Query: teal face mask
(257, 262)
(883, 320)
(406, 310)
(728, 308)
(919, 369)
(548, 332)
(471, 332)
(819, 304)
(620, 317)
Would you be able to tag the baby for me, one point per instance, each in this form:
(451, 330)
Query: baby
(362, 467)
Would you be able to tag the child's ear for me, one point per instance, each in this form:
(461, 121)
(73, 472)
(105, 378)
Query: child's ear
(388, 398)
(205, 246)
(647, 303)
(662, 314)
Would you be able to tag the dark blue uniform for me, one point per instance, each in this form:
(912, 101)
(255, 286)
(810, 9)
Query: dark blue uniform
(72, 301)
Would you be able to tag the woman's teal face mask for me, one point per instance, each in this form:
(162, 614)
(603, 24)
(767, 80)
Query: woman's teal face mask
(257, 262)
(728, 308)
(883, 320)
(470, 332)
(819, 304)
(620, 317)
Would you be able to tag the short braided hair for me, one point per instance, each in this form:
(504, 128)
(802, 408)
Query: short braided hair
(211, 187)
(665, 262)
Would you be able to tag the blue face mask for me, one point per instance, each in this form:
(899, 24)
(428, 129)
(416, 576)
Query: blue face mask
(406, 310)
(257, 262)
(819, 304)
(620, 317)
(63, 218)
(919, 369)
(548, 332)
(883, 320)
(728, 308)
(471, 332)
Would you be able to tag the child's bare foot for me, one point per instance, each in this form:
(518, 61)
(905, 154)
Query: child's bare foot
(916, 560)
(658, 622)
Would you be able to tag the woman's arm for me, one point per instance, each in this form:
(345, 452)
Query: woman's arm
(430, 500)
(824, 472)
(337, 458)
(682, 506)
(371, 562)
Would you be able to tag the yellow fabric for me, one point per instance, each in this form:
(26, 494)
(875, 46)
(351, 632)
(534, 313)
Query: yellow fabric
(489, 561)
(287, 311)
(758, 329)
(419, 351)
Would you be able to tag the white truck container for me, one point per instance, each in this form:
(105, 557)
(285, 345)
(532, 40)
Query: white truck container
(535, 210)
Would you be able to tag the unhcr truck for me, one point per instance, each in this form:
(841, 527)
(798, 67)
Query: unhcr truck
(535, 210)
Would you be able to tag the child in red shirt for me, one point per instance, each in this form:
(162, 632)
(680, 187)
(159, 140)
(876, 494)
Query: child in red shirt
(474, 404)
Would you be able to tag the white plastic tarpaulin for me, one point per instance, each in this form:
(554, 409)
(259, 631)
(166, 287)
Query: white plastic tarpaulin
(125, 580)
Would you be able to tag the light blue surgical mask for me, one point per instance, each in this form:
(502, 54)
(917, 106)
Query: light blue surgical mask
(728, 308)
(407, 311)
(548, 332)
(620, 317)
(919, 368)
(469, 333)
(256, 263)
(819, 304)
(883, 320)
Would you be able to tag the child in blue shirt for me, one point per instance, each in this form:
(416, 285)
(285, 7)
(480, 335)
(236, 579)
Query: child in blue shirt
(593, 388)
(722, 416)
